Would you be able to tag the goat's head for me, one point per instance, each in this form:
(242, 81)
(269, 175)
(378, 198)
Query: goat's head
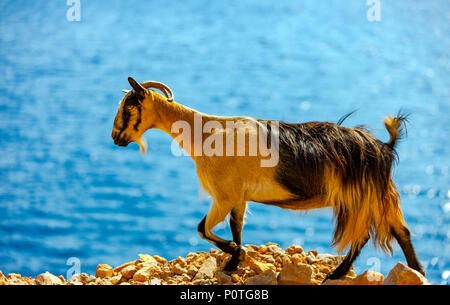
(137, 113)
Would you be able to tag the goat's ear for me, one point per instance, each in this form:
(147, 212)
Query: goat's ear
(137, 87)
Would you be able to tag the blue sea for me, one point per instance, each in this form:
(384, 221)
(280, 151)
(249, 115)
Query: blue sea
(67, 193)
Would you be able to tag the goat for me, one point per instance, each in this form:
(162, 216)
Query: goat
(321, 164)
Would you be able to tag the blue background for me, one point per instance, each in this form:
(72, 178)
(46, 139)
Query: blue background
(67, 191)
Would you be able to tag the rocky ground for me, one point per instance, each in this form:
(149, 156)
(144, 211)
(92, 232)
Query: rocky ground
(263, 265)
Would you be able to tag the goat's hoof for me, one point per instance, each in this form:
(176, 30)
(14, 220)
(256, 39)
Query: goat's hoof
(232, 265)
(237, 256)
(331, 276)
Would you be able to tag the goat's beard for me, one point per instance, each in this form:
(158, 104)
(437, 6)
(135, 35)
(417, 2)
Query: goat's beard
(142, 142)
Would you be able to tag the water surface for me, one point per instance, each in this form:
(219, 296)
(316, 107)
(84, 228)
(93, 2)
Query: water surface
(67, 191)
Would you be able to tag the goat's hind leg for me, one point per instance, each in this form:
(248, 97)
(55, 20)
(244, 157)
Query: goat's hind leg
(403, 237)
(236, 224)
(216, 214)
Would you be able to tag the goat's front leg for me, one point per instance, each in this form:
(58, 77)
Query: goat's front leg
(237, 222)
(216, 214)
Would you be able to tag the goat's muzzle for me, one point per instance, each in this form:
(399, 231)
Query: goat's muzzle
(120, 139)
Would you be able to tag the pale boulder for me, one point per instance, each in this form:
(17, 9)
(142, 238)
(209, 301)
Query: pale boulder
(148, 260)
(292, 274)
(328, 259)
(403, 275)
(369, 277)
(83, 278)
(155, 281)
(121, 267)
(192, 270)
(48, 279)
(274, 248)
(128, 271)
(207, 269)
(268, 277)
(177, 269)
(115, 279)
(144, 274)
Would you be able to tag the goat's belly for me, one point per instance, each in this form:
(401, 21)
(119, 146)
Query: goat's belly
(266, 190)
(315, 202)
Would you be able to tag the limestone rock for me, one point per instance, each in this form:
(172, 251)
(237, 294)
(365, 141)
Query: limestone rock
(328, 259)
(3, 280)
(369, 277)
(274, 248)
(160, 259)
(11, 276)
(104, 270)
(403, 275)
(262, 265)
(262, 249)
(298, 258)
(294, 249)
(207, 269)
(235, 278)
(249, 251)
(115, 279)
(48, 279)
(15, 279)
(223, 278)
(313, 253)
(177, 269)
(255, 265)
(128, 272)
(155, 281)
(192, 270)
(295, 274)
(82, 278)
(148, 260)
(121, 267)
(144, 274)
(345, 281)
(268, 277)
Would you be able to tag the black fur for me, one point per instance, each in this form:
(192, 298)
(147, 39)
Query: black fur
(307, 149)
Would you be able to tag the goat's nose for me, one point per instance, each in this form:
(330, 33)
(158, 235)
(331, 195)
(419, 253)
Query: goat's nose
(120, 139)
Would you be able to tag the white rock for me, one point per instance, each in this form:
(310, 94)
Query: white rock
(275, 249)
(402, 275)
(207, 269)
(48, 279)
(329, 259)
(268, 277)
(155, 281)
(369, 277)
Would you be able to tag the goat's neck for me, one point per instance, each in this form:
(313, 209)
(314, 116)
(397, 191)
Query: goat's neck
(171, 112)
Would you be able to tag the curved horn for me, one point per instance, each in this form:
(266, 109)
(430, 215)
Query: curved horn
(160, 86)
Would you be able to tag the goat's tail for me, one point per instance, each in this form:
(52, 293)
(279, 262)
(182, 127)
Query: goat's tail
(396, 128)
